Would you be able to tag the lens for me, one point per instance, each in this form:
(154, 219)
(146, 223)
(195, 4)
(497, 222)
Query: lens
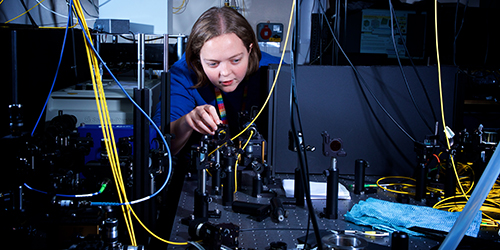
(335, 145)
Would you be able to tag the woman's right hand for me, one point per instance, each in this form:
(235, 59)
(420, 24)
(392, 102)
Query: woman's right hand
(203, 119)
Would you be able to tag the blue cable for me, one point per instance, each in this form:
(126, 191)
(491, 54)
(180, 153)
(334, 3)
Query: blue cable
(57, 71)
(147, 116)
(66, 195)
(128, 96)
(45, 105)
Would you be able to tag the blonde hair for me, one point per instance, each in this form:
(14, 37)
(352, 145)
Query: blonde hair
(212, 23)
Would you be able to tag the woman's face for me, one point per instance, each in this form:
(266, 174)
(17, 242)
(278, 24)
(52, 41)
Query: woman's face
(225, 61)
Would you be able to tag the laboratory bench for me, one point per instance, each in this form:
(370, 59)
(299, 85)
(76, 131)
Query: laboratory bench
(269, 233)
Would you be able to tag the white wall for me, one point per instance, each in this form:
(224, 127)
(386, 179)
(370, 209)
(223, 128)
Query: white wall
(155, 12)
(151, 12)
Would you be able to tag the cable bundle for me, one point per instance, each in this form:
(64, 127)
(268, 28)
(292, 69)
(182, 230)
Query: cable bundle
(105, 121)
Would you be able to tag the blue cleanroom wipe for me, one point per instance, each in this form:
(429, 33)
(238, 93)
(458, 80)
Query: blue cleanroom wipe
(390, 216)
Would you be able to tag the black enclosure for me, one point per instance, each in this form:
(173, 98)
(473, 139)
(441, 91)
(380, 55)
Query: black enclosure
(331, 99)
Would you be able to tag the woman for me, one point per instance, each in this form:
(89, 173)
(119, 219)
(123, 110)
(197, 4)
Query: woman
(217, 77)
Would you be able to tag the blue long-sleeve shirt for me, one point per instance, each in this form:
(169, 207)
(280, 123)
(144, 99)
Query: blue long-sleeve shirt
(184, 98)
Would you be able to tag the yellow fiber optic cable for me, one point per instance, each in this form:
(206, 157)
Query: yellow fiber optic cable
(396, 184)
(112, 152)
(100, 102)
(457, 206)
(154, 235)
(181, 7)
(105, 124)
(441, 99)
(109, 136)
(24, 12)
(441, 102)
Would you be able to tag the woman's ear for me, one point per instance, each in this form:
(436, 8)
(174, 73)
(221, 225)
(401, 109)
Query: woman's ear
(250, 48)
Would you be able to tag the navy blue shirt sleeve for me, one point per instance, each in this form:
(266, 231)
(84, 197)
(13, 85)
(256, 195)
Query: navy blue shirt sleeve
(183, 98)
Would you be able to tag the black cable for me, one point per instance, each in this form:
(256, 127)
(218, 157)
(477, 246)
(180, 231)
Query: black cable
(361, 81)
(133, 37)
(487, 34)
(308, 225)
(303, 163)
(337, 27)
(300, 151)
(96, 7)
(70, 13)
(415, 68)
(305, 168)
(455, 33)
(147, 40)
(29, 15)
(88, 14)
(305, 172)
(102, 4)
(459, 30)
(322, 52)
(345, 23)
(393, 16)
